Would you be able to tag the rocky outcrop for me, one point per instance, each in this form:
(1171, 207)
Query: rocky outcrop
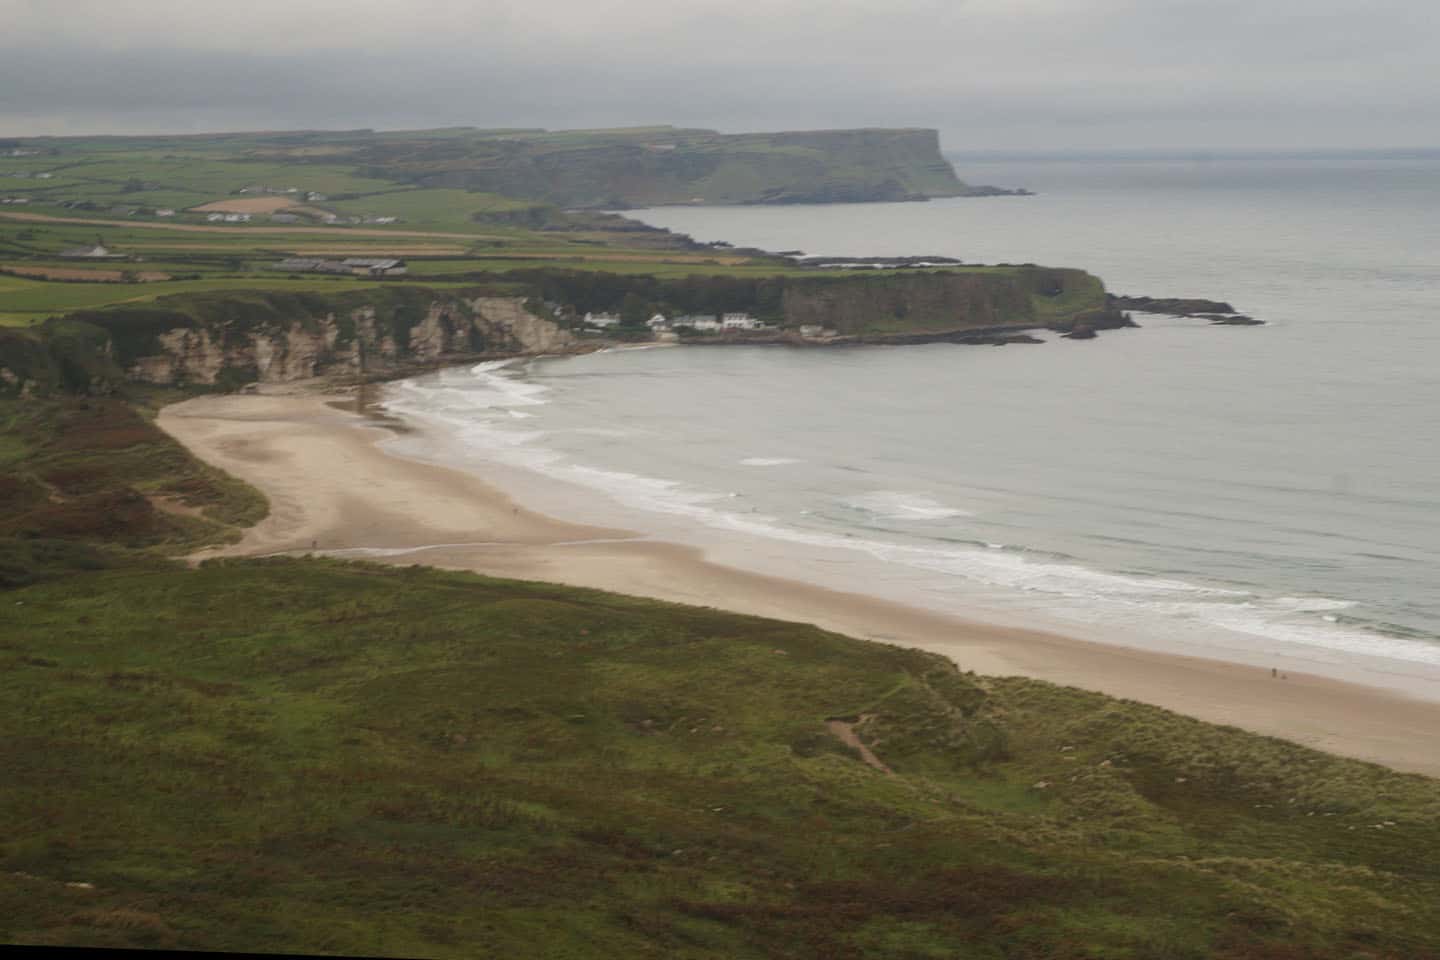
(1172, 306)
(1233, 320)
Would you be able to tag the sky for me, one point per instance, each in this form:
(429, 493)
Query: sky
(989, 74)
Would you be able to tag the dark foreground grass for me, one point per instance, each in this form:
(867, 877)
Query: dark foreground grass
(305, 755)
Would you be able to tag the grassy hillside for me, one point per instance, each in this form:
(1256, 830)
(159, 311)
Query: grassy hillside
(314, 756)
(91, 483)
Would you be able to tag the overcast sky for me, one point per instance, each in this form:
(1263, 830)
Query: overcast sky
(990, 74)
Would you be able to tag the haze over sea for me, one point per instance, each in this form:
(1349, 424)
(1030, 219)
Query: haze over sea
(1264, 494)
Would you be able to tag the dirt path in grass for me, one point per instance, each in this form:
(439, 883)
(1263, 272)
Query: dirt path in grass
(845, 733)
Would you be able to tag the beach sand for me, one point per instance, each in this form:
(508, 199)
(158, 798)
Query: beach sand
(333, 490)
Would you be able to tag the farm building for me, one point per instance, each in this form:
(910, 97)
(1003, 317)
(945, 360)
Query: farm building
(354, 266)
(310, 265)
(95, 251)
(602, 319)
(376, 266)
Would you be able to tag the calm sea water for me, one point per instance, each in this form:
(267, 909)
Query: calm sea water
(1248, 493)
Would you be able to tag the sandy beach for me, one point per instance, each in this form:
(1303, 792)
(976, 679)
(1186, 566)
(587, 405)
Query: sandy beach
(333, 490)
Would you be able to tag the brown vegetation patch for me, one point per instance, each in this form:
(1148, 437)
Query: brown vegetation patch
(102, 425)
(116, 515)
(73, 273)
(247, 205)
(174, 506)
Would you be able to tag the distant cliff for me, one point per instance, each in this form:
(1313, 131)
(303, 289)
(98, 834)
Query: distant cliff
(667, 165)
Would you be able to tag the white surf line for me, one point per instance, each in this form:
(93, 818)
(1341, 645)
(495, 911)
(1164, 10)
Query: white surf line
(402, 551)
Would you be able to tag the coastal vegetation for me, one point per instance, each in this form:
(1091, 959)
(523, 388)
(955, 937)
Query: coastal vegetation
(316, 756)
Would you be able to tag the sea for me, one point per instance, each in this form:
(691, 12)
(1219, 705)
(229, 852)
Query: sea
(1263, 495)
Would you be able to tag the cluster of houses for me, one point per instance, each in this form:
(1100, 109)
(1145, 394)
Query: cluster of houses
(699, 322)
(27, 174)
(14, 200)
(336, 218)
(351, 266)
(228, 217)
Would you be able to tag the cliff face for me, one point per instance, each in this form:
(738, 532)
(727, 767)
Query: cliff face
(229, 339)
(227, 342)
(364, 340)
(919, 304)
(668, 166)
(934, 301)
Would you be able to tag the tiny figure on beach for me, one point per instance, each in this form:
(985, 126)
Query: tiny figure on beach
(314, 544)
(1274, 673)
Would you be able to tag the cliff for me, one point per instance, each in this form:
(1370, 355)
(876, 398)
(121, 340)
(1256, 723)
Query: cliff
(666, 165)
(932, 305)
(230, 339)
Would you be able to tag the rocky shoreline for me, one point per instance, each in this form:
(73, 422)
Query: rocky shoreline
(1217, 312)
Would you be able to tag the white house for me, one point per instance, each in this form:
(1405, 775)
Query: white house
(215, 217)
(96, 251)
(659, 322)
(698, 322)
(739, 321)
(164, 212)
(602, 319)
(376, 266)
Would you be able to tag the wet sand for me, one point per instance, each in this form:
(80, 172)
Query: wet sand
(333, 490)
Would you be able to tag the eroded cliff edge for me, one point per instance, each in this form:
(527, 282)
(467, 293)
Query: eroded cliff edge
(228, 339)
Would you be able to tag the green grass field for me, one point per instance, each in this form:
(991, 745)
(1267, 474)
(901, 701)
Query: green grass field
(25, 301)
(325, 757)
